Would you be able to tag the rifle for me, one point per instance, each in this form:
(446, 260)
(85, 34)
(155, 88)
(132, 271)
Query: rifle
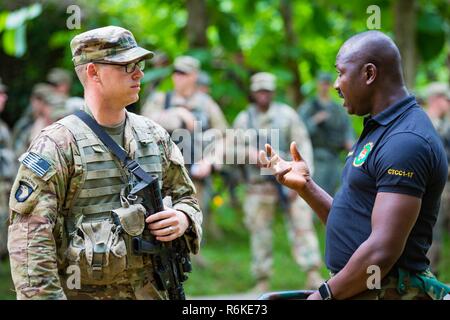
(170, 260)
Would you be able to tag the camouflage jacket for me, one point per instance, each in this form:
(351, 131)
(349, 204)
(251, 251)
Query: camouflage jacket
(291, 128)
(35, 233)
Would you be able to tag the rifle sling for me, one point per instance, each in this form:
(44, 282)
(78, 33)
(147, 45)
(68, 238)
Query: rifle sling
(131, 165)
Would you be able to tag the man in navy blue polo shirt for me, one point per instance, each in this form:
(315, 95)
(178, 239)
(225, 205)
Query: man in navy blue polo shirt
(382, 217)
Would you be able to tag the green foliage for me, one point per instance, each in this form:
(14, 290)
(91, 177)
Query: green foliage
(13, 25)
(243, 37)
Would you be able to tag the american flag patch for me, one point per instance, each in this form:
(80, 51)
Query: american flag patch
(36, 164)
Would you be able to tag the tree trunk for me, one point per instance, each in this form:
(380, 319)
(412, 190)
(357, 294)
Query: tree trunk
(405, 37)
(197, 23)
(293, 90)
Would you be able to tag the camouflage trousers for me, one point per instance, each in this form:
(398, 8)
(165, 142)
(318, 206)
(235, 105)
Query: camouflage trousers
(122, 289)
(259, 208)
(403, 285)
(5, 187)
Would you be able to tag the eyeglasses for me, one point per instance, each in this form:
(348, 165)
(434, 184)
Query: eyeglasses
(130, 67)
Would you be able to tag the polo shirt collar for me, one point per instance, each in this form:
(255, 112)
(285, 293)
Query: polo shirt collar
(393, 111)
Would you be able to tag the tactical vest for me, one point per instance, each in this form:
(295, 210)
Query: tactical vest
(88, 214)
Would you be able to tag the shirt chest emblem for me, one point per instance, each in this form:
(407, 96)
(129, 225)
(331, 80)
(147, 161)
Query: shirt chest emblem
(362, 156)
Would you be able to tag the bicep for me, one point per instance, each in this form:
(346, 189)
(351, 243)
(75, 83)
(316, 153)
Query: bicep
(393, 218)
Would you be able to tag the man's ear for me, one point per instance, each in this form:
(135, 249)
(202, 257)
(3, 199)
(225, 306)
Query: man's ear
(92, 72)
(370, 72)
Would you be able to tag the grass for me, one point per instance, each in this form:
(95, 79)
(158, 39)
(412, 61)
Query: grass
(229, 259)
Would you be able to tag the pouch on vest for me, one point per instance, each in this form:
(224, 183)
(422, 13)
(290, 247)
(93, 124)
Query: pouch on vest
(130, 217)
(99, 251)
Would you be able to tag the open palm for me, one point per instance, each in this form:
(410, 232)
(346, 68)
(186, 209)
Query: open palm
(293, 174)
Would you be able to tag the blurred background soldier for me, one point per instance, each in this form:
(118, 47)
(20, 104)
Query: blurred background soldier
(263, 192)
(7, 173)
(197, 113)
(30, 124)
(330, 131)
(61, 80)
(204, 82)
(438, 106)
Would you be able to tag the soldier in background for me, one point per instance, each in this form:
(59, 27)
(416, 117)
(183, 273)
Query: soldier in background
(330, 131)
(27, 126)
(263, 193)
(7, 173)
(438, 107)
(190, 109)
(61, 80)
(204, 82)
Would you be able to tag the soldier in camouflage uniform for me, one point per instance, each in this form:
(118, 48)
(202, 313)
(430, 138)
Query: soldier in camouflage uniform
(188, 108)
(69, 185)
(330, 131)
(7, 172)
(262, 194)
(438, 108)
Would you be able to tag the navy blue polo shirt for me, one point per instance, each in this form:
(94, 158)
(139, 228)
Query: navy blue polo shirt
(399, 151)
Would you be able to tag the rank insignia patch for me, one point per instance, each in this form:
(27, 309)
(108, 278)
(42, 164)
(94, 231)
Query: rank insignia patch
(23, 192)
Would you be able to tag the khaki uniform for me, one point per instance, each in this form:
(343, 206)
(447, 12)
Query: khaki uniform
(262, 197)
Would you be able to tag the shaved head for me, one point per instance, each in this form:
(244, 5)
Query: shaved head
(377, 48)
(370, 74)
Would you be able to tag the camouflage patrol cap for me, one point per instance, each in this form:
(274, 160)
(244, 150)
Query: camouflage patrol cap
(42, 90)
(438, 89)
(108, 44)
(58, 75)
(263, 81)
(3, 88)
(186, 64)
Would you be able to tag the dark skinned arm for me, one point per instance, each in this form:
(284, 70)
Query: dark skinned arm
(393, 218)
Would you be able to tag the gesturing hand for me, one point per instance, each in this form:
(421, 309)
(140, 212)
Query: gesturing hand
(293, 174)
